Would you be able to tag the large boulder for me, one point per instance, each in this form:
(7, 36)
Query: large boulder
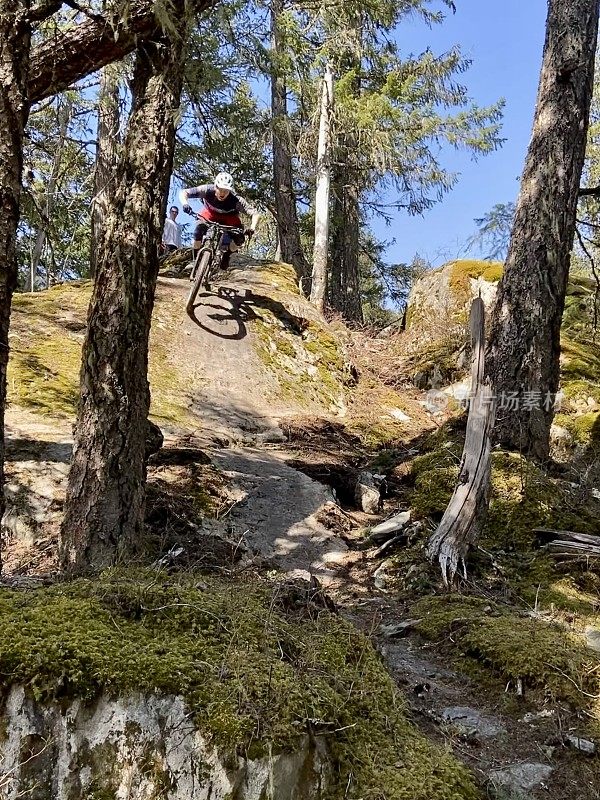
(443, 296)
(142, 747)
(436, 342)
(148, 686)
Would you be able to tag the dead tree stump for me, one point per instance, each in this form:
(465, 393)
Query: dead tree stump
(458, 528)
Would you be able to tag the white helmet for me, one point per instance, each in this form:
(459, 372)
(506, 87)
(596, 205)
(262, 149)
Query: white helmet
(224, 181)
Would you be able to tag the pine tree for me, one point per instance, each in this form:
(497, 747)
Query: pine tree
(54, 224)
(392, 111)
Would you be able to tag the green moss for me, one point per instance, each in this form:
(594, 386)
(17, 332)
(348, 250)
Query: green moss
(522, 496)
(493, 273)
(511, 646)
(305, 357)
(585, 428)
(436, 362)
(45, 361)
(170, 399)
(249, 672)
(464, 269)
(580, 390)
(43, 374)
(280, 276)
(579, 360)
(434, 475)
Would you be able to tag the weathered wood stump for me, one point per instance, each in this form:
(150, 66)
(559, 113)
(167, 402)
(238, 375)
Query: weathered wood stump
(458, 528)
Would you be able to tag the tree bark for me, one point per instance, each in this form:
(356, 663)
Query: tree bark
(344, 295)
(335, 283)
(288, 229)
(106, 488)
(524, 346)
(352, 303)
(67, 56)
(106, 158)
(15, 43)
(321, 247)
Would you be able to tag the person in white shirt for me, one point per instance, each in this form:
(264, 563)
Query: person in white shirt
(171, 238)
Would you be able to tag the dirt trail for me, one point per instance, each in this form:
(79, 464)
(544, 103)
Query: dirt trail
(233, 393)
(277, 517)
(236, 402)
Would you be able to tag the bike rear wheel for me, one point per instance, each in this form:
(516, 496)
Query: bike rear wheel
(200, 278)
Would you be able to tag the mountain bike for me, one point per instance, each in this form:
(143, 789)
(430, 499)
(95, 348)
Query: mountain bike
(208, 259)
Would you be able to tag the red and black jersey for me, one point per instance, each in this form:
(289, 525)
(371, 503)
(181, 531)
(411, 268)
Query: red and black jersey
(225, 211)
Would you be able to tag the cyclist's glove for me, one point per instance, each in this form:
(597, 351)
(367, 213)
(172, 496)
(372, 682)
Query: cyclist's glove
(249, 233)
(187, 210)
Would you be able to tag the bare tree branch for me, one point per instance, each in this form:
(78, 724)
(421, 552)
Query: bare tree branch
(67, 56)
(43, 10)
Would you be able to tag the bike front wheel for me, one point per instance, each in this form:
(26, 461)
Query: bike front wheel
(200, 277)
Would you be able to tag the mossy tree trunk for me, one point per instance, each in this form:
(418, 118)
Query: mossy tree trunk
(106, 156)
(288, 229)
(15, 42)
(524, 346)
(104, 515)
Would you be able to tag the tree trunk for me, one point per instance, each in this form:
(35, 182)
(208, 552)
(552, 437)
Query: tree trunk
(67, 56)
(288, 229)
(104, 516)
(524, 345)
(15, 42)
(106, 157)
(321, 247)
(344, 295)
(352, 304)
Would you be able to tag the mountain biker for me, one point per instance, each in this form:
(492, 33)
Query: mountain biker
(223, 206)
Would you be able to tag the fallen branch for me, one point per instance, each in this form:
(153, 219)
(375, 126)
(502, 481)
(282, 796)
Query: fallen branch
(569, 542)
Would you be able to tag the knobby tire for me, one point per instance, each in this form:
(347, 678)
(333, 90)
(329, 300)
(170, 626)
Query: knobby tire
(199, 279)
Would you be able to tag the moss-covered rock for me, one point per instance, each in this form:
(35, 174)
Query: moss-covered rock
(463, 271)
(512, 646)
(522, 495)
(48, 329)
(255, 678)
(442, 296)
(298, 347)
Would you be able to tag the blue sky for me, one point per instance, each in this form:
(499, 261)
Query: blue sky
(505, 41)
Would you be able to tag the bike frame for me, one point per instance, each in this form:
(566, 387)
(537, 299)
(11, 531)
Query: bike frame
(208, 257)
(212, 243)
